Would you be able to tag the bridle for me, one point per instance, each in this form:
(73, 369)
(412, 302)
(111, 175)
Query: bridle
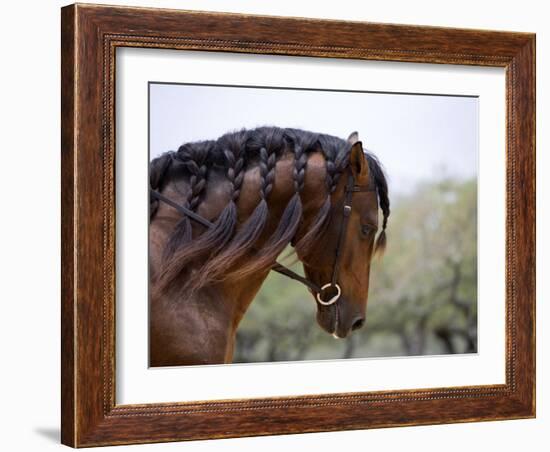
(349, 190)
(279, 268)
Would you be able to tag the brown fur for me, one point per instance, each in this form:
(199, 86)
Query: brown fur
(289, 190)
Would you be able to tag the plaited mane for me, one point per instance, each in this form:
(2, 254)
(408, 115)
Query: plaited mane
(220, 247)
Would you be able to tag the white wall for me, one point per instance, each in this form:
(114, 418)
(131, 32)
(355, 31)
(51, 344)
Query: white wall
(30, 226)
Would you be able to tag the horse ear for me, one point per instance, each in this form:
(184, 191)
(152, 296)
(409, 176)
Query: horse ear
(358, 161)
(353, 138)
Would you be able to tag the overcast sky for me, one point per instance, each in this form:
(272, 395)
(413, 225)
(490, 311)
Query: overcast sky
(416, 137)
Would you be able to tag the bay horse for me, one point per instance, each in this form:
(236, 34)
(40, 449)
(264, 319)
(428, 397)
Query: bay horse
(222, 211)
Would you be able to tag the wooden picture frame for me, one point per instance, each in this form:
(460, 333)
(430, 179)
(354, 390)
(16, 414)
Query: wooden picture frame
(90, 36)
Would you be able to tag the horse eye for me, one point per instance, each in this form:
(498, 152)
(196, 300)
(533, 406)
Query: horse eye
(366, 229)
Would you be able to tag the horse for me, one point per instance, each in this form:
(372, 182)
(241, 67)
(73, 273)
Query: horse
(222, 211)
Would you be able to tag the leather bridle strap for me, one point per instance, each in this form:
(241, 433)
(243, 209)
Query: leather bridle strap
(333, 285)
(346, 213)
(181, 209)
(280, 268)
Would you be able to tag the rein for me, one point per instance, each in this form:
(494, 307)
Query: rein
(280, 268)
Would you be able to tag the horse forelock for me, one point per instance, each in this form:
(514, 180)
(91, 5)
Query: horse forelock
(225, 246)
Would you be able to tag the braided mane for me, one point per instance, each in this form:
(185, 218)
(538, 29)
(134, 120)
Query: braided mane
(220, 248)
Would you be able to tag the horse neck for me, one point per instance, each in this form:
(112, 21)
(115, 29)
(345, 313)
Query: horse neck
(200, 329)
(204, 325)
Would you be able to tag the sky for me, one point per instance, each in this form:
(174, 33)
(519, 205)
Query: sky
(416, 137)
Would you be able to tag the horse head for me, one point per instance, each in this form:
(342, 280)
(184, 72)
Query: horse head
(340, 263)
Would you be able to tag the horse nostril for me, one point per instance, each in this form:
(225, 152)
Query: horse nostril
(358, 323)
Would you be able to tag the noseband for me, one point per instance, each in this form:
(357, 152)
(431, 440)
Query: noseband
(279, 268)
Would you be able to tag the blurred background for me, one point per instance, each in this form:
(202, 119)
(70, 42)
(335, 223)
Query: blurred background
(423, 292)
(422, 296)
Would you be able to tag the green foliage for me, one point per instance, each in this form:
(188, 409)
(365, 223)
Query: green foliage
(422, 296)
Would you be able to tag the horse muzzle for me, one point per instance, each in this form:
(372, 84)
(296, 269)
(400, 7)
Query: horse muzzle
(336, 320)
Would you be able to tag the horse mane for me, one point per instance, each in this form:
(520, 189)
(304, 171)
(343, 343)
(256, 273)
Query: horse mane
(219, 248)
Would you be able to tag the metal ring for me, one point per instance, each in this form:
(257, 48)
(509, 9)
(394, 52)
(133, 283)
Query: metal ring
(334, 299)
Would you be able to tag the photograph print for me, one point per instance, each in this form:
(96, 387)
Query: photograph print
(301, 224)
